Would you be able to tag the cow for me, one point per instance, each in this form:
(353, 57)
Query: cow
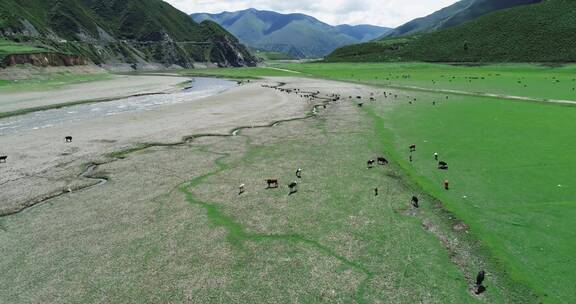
(382, 161)
(480, 277)
(480, 289)
(436, 156)
(412, 148)
(293, 187)
(299, 173)
(3, 158)
(371, 163)
(68, 139)
(375, 191)
(360, 105)
(272, 183)
(372, 99)
(415, 202)
(241, 189)
(446, 185)
(442, 165)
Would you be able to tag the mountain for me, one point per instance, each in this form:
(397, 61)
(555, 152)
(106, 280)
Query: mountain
(456, 14)
(297, 35)
(541, 32)
(137, 32)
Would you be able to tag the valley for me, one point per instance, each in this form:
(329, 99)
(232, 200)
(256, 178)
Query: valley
(284, 152)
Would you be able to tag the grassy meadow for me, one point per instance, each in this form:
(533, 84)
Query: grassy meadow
(511, 163)
(172, 228)
(10, 47)
(540, 82)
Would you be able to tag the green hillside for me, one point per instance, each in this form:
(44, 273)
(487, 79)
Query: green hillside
(297, 35)
(542, 32)
(126, 31)
(455, 14)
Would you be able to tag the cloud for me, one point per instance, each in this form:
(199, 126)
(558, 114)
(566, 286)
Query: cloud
(390, 13)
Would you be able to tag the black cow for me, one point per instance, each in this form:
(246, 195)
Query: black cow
(480, 278)
(272, 183)
(442, 165)
(415, 202)
(480, 289)
(412, 148)
(293, 187)
(68, 139)
(371, 163)
(3, 158)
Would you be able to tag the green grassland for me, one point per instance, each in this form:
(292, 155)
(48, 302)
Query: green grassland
(9, 47)
(512, 163)
(191, 237)
(511, 174)
(540, 82)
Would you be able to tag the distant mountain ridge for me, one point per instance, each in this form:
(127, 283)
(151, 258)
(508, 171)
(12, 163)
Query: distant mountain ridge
(138, 33)
(298, 35)
(453, 15)
(542, 32)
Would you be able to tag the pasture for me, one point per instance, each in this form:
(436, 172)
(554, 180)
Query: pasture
(511, 163)
(171, 226)
(540, 82)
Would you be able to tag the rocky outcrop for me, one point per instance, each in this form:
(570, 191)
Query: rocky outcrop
(43, 60)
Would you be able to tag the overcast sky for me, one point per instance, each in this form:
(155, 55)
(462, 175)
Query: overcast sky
(377, 12)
